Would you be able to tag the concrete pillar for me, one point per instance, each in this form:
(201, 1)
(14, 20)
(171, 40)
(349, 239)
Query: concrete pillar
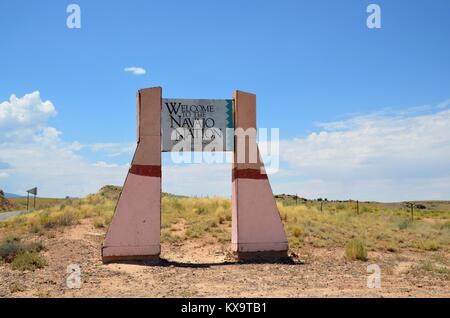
(134, 233)
(257, 230)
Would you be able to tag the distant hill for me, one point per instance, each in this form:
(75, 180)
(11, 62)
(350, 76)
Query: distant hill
(113, 192)
(289, 199)
(12, 195)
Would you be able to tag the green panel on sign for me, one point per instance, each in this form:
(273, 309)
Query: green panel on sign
(32, 191)
(230, 113)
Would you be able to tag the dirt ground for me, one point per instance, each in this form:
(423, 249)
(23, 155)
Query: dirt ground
(199, 269)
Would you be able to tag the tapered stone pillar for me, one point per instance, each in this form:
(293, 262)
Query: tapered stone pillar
(134, 233)
(257, 230)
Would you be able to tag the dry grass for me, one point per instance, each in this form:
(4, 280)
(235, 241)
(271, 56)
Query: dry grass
(356, 250)
(339, 224)
(28, 261)
(59, 216)
(198, 217)
(41, 203)
(16, 288)
(380, 228)
(438, 266)
(22, 256)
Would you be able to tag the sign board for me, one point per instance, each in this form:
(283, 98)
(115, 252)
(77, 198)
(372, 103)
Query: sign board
(197, 125)
(32, 191)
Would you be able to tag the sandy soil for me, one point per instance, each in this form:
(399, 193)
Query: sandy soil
(199, 269)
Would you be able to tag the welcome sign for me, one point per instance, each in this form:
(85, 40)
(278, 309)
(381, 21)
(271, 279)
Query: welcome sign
(197, 125)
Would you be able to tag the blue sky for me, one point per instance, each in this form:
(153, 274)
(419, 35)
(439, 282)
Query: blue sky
(309, 62)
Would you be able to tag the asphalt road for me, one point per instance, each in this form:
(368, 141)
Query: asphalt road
(7, 215)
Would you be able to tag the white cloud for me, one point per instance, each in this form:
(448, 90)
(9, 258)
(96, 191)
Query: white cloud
(444, 104)
(113, 149)
(110, 149)
(56, 170)
(135, 70)
(378, 157)
(22, 118)
(381, 156)
(103, 164)
(43, 159)
(197, 179)
(27, 110)
(47, 135)
(33, 153)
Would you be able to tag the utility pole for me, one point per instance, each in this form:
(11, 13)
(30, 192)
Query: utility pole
(410, 205)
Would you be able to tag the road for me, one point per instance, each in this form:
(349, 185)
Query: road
(7, 215)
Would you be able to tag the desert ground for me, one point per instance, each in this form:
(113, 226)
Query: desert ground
(330, 251)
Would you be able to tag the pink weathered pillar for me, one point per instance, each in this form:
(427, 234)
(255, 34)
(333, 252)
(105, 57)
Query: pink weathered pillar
(134, 233)
(257, 230)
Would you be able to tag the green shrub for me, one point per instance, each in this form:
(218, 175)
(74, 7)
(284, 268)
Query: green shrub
(296, 231)
(200, 210)
(221, 235)
(66, 219)
(99, 223)
(16, 288)
(194, 232)
(391, 247)
(429, 245)
(221, 219)
(36, 228)
(210, 224)
(11, 248)
(166, 236)
(439, 271)
(365, 209)
(221, 214)
(356, 250)
(107, 217)
(45, 221)
(10, 238)
(446, 226)
(404, 224)
(28, 261)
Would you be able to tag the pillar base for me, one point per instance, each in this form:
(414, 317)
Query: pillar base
(262, 256)
(132, 258)
(112, 254)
